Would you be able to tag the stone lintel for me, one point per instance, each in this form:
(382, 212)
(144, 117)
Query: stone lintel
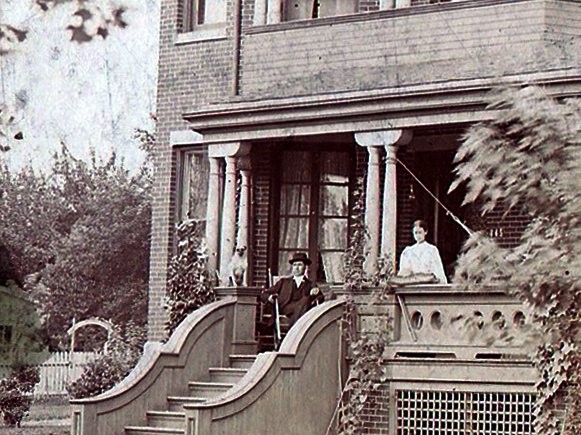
(229, 149)
(185, 137)
(393, 137)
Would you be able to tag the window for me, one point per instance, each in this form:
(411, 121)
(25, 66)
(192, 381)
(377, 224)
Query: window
(206, 17)
(313, 210)
(307, 9)
(194, 185)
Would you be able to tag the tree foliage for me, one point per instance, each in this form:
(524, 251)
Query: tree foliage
(529, 157)
(88, 19)
(77, 237)
(189, 285)
(16, 394)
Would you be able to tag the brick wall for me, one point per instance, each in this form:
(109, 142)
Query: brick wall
(375, 413)
(189, 75)
(371, 50)
(262, 163)
(381, 49)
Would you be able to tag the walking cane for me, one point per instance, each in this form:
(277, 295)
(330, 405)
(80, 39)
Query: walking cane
(277, 323)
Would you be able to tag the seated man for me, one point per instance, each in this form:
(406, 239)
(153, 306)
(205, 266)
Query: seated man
(422, 258)
(296, 293)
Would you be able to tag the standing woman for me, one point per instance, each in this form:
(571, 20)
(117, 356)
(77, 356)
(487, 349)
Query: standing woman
(423, 257)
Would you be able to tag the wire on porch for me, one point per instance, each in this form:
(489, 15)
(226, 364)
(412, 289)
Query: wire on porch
(448, 212)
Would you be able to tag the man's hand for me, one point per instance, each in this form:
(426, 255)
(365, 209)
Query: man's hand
(315, 291)
(272, 297)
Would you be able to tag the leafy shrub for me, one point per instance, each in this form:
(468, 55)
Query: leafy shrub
(120, 356)
(190, 285)
(77, 237)
(16, 394)
(527, 156)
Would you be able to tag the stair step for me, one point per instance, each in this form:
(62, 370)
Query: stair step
(149, 430)
(226, 374)
(208, 389)
(171, 419)
(176, 403)
(242, 361)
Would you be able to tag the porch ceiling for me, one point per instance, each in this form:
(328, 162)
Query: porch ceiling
(446, 103)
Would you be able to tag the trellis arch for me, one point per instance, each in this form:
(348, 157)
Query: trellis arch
(108, 326)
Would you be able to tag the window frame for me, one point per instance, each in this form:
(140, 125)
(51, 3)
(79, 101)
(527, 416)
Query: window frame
(315, 215)
(183, 181)
(192, 31)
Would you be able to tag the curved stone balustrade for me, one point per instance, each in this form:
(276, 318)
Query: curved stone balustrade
(305, 375)
(198, 343)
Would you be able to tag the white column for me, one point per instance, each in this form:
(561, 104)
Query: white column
(372, 208)
(402, 3)
(390, 4)
(213, 215)
(230, 151)
(389, 139)
(259, 12)
(228, 236)
(386, 4)
(242, 239)
(274, 14)
(389, 221)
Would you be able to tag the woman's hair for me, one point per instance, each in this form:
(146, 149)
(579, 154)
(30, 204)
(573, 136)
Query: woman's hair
(422, 224)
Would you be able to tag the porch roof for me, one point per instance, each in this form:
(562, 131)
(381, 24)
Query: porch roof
(446, 103)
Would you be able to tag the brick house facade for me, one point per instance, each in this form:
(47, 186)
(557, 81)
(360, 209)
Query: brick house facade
(251, 88)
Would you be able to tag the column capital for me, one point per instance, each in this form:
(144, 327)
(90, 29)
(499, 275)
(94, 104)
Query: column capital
(244, 163)
(229, 149)
(384, 138)
(374, 155)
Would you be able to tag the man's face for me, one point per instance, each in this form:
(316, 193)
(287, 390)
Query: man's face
(298, 268)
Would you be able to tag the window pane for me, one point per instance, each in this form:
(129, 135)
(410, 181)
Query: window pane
(333, 233)
(300, 10)
(294, 233)
(335, 167)
(294, 199)
(333, 266)
(296, 167)
(211, 12)
(195, 186)
(334, 200)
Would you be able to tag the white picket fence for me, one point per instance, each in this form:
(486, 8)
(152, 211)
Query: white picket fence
(58, 371)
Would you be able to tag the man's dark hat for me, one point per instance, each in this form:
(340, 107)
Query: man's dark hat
(300, 256)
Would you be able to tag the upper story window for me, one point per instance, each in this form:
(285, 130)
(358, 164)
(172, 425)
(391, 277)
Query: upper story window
(275, 11)
(307, 9)
(205, 18)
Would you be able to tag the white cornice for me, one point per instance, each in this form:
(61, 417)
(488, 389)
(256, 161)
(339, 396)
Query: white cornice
(451, 102)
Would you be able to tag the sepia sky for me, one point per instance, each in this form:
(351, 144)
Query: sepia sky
(90, 95)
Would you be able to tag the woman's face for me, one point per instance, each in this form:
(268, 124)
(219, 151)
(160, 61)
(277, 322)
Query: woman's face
(419, 233)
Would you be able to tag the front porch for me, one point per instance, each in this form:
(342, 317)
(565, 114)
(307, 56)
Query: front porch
(208, 379)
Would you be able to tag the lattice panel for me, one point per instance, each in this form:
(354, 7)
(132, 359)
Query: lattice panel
(463, 413)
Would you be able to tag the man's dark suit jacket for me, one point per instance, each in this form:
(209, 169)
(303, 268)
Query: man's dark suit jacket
(285, 287)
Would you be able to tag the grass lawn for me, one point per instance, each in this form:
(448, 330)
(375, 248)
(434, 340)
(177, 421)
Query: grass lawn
(47, 417)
